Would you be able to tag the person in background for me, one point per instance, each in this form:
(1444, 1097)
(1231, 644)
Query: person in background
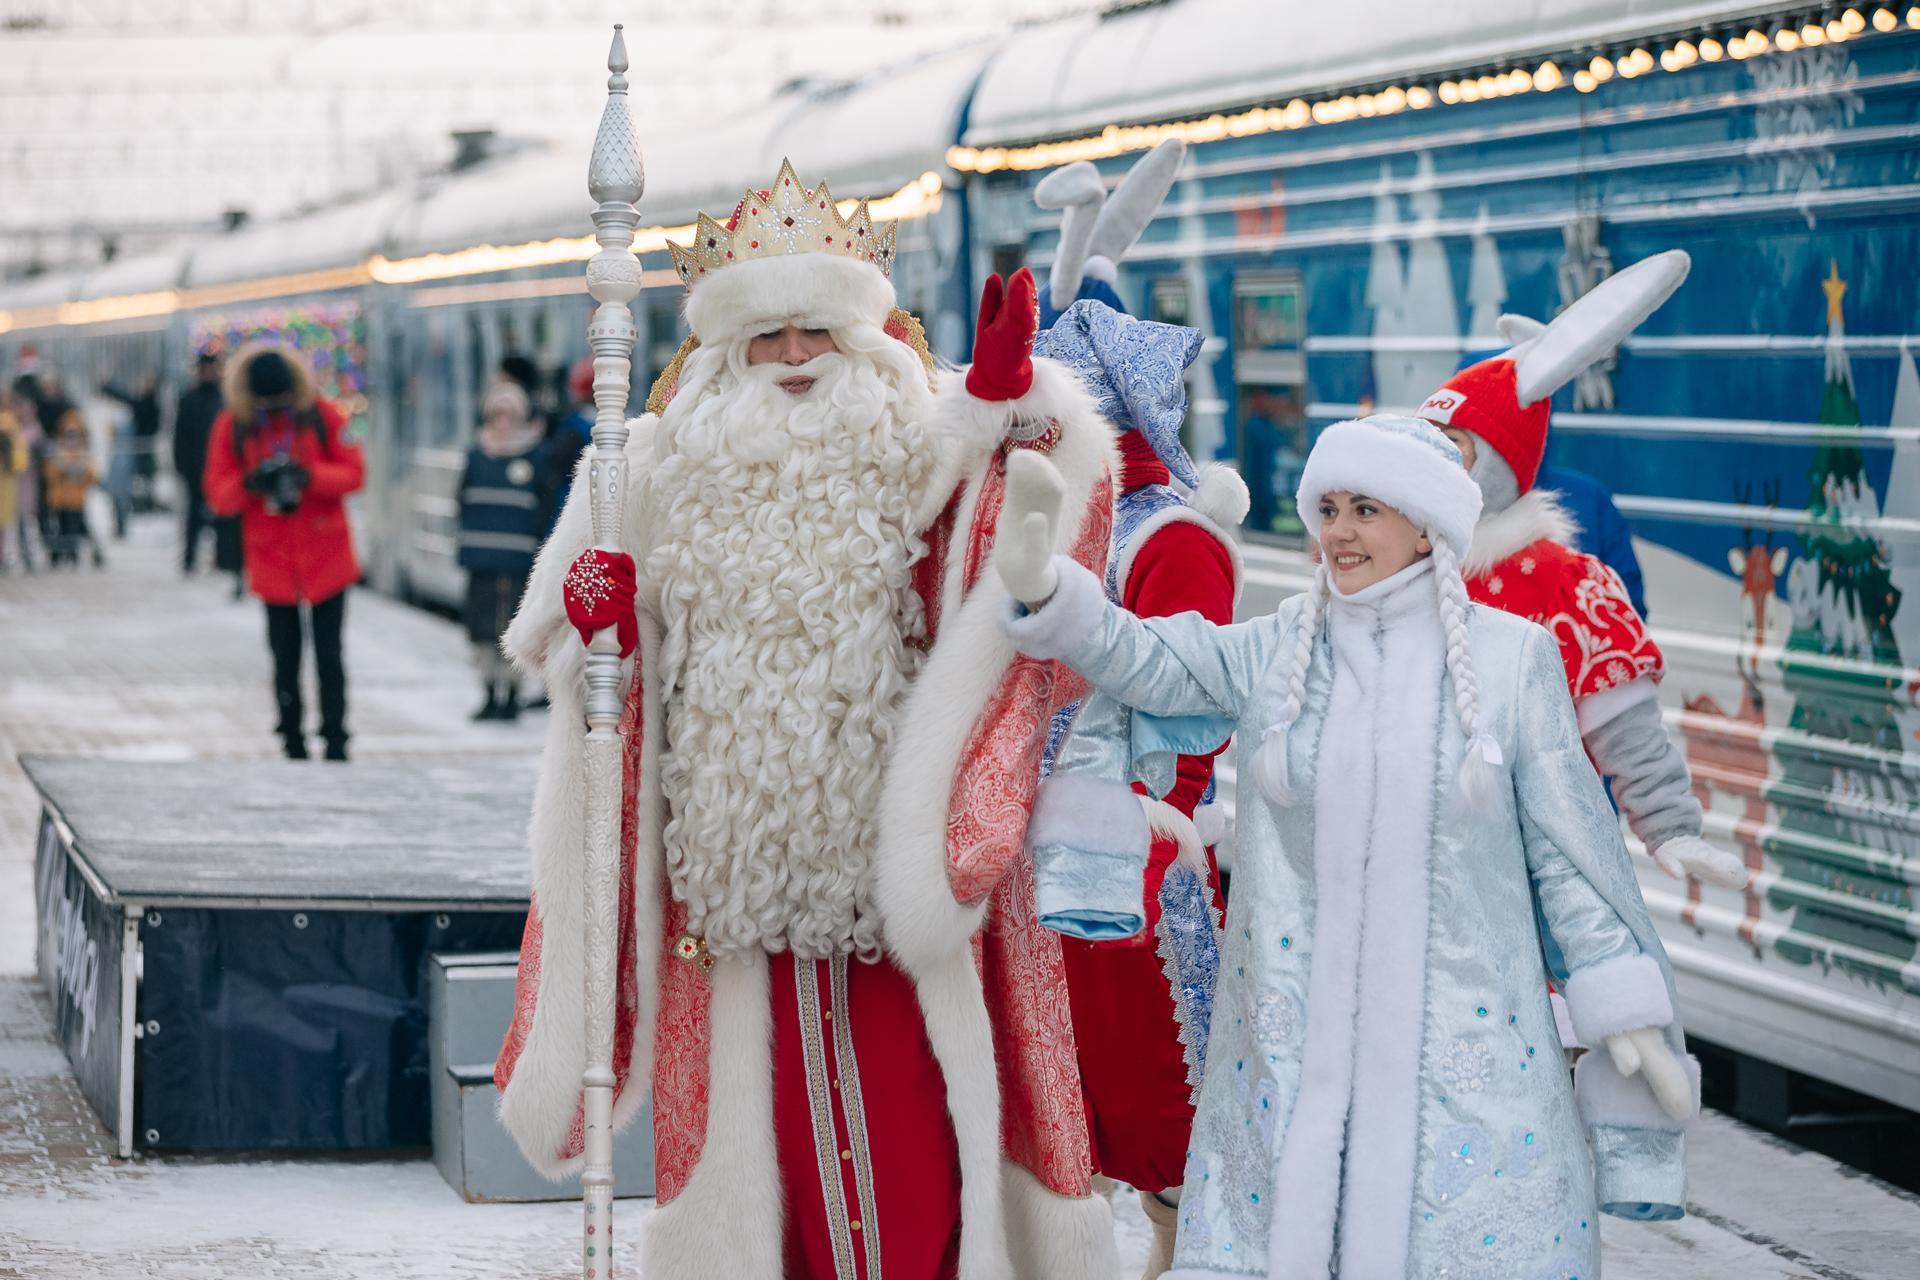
(110, 423)
(567, 439)
(70, 475)
(144, 404)
(523, 373)
(278, 460)
(501, 525)
(192, 424)
(13, 468)
(26, 416)
(1599, 530)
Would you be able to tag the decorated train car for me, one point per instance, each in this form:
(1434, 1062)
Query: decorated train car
(1361, 202)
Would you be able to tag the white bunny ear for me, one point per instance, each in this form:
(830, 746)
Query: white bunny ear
(1514, 330)
(1136, 199)
(1595, 324)
(1077, 189)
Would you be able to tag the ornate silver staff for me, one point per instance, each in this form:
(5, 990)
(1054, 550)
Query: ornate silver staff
(615, 179)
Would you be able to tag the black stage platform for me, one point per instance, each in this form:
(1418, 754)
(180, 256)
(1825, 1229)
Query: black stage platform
(236, 951)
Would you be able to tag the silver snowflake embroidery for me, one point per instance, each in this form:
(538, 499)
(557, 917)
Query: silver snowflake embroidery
(1526, 564)
(1274, 1018)
(1466, 1066)
(1495, 586)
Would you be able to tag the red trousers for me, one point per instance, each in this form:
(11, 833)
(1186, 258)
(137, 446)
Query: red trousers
(868, 1163)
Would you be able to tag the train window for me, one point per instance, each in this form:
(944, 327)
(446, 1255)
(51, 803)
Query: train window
(1168, 302)
(1270, 398)
(1009, 258)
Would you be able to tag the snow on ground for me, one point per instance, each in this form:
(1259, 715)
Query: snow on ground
(134, 662)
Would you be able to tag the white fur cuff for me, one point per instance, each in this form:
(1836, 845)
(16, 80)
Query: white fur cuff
(1621, 994)
(1057, 395)
(1057, 627)
(1597, 709)
(814, 290)
(1099, 815)
(1606, 1097)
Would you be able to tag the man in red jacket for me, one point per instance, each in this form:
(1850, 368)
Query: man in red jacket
(278, 460)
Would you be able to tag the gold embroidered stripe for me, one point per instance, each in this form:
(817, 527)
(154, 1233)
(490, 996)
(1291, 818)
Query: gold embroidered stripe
(820, 1108)
(856, 1116)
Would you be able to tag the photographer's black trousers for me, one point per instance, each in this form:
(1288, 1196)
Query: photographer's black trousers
(285, 638)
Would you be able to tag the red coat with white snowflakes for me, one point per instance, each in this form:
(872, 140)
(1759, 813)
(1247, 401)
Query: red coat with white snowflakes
(1520, 565)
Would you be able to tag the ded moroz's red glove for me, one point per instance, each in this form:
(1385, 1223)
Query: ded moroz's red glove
(1003, 339)
(600, 593)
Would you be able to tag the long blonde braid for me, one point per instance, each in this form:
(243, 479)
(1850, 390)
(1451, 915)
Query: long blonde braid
(1270, 762)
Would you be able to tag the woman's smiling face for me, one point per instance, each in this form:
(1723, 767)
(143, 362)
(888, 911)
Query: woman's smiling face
(1365, 541)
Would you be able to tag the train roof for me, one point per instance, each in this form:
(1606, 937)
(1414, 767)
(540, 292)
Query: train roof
(1192, 57)
(869, 137)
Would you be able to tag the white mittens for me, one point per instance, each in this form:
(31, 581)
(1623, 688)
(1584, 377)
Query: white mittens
(1645, 1051)
(1685, 856)
(1023, 540)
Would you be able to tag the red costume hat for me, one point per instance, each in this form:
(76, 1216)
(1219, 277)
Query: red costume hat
(1506, 401)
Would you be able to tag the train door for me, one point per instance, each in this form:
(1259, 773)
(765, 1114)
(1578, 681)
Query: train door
(1270, 398)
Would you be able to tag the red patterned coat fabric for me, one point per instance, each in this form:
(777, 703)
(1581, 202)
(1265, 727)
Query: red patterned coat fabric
(1582, 603)
(955, 895)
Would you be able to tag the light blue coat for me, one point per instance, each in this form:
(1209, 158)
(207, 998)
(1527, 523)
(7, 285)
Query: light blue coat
(1506, 1172)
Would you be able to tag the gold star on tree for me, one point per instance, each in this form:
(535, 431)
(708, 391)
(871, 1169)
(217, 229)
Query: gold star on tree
(1835, 287)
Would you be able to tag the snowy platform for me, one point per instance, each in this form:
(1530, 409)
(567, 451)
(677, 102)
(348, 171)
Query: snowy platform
(135, 664)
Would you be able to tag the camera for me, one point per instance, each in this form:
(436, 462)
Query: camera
(281, 482)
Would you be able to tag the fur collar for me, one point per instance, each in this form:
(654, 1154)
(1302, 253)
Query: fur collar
(1538, 515)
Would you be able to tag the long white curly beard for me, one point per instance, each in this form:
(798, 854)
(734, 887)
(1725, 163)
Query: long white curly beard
(782, 549)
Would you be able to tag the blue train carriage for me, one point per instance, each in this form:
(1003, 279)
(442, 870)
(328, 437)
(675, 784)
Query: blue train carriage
(1362, 201)
(407, 300)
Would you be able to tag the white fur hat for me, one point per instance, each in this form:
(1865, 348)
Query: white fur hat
(811, 290)
(1404, 462)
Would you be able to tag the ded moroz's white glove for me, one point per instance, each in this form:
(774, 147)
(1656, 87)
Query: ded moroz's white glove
(1685, 856)
(1023, 540)
(1646, 1052)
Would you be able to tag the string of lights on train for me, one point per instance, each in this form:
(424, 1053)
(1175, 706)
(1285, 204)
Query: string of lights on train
(922, 196)
(1628, 64)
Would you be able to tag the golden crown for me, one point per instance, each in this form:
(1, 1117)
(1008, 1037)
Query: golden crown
(784, 219)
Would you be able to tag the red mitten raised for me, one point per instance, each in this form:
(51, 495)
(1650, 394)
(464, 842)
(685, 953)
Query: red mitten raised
(600, 593)
(1003, 340)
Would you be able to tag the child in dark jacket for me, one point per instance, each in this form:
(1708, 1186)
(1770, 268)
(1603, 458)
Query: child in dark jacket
(500, 528)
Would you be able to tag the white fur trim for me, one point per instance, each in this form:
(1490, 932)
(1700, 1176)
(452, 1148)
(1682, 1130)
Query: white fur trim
(1606, 1097)
(1056, 627)
(1375, 795)
(1099, 815)
(1538, 515)
(974, 428)
(1210, 823)
(1167, 823)
(1221, 496)
(812, 290)
(726, 1220)
(1127, 554)
(1598, 709)
(1399, 470)
(1621, 994)
(927, 929)
(1056, 1237)
(970, 656)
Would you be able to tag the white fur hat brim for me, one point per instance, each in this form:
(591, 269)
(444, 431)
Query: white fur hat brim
(1404, 462)
(811, 290)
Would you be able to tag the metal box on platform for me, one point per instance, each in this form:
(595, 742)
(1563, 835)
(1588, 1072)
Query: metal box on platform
(470, 1003)
(236, 952)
